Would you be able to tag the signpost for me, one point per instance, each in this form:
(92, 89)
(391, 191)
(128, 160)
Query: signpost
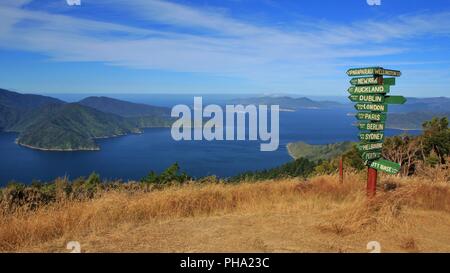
(372, 80)
(369, 92)
(375, 116)
(369, 89)
(363, 147)
(367, 98)
(371, 155)
(366, 137)
(371, 126)
(374, 107)
(386, 166)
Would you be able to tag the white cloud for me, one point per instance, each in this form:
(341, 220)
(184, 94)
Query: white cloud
(199, 40)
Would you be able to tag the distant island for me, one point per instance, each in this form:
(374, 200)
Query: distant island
(287, 103)
(46, 123)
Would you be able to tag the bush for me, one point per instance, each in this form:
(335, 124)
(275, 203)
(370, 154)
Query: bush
(170, 175)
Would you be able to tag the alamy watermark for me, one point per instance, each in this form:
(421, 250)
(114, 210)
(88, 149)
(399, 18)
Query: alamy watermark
(241, 122)
(374, 2)
(73, 2)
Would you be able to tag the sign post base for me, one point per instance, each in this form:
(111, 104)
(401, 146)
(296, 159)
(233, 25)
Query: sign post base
(372, 175)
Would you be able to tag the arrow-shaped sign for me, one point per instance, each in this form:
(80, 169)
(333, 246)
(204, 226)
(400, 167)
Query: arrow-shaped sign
(387, 72)
(368, 156)
(373, 71)
(364, 147)
(386, 166)
(367, 98)
(373, 116)
(362, 71)
(395, 100)
(375, 107)
(372, 81)
(373, 136)
(366, 81)
(369, 89)
(370, 126)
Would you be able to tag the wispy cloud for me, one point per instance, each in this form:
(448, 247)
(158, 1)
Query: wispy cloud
(207, 40)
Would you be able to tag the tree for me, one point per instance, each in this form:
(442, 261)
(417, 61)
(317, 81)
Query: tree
(353, 159)
(436, 138)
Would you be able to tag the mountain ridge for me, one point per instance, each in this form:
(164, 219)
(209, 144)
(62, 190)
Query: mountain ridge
(46, 123)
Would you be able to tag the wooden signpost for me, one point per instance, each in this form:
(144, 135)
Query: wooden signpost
(369, 91)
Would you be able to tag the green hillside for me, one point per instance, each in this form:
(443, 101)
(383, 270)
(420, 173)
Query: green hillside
(8, 117)
(316, 152)
(142, 115)
(72, 127)
(50, 124)
(411, 120)
(124, 108)
(20, 101)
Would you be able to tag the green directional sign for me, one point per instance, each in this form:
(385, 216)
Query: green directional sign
(371, 126)
(369, 89)
(371, 116)
(386, 166)
(372, 81)
(367, 98)
(387, 72)
(375, 107)
(369, 92)
(366, 81)
(372, 136)
(389, 81)
(395, 100)
(362, 71)
(364, 147)
(368, 156)
(373, 71)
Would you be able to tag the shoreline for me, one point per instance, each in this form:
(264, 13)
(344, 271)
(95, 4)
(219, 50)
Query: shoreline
(80, 149)
(56, 149)
(403, 129)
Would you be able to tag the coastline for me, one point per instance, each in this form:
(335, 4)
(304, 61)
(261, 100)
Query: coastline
(141, 131)
(289, 151)
(403, 129)
(56, 149)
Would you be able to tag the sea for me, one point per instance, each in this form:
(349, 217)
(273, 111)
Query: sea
(131, 157)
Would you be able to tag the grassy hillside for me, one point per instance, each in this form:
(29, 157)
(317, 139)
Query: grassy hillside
(72, 127)
(284, 215)
(316, 152)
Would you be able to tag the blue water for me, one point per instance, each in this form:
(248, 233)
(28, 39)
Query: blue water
(133, 156)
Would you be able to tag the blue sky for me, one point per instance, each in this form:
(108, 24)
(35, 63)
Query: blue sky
(230, 46)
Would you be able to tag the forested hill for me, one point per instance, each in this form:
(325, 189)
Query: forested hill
(51, 124)
(73, 127)
(124, 108)
(18, 101)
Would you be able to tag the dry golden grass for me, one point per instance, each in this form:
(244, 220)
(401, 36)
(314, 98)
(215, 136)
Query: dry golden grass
(320, 215)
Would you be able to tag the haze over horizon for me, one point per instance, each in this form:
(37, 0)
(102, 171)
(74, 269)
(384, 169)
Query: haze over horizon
(219, 47)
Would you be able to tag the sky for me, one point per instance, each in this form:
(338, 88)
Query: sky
(272, 47)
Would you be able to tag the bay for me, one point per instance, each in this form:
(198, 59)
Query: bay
(133, 156)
